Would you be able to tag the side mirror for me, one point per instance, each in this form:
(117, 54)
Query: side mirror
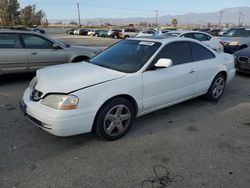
(164, 63)
(56, 46)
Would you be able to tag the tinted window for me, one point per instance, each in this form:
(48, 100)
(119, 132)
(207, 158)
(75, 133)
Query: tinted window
(188, 35)
(10, 41)
(36, 42)
(237, 33)
(201, 37)
(200, 53)
(178, 52)
(126, 56)
(130, 30)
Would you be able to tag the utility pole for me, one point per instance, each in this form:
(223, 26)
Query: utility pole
(156, 18)
(240, 18)
(220, 18)
(79, 16)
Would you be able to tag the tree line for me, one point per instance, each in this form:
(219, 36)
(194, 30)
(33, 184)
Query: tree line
(11, 14)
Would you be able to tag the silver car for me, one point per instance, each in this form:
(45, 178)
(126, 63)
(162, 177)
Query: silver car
(24, 51)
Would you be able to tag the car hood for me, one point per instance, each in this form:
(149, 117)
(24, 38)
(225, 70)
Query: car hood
(242, 40)
(243, 52)
(70, 77)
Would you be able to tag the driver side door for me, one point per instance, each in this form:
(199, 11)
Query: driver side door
(167, 86)
(40, 52)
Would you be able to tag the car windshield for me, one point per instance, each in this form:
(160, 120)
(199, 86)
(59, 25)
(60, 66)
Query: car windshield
(237, 33)
(126, 56)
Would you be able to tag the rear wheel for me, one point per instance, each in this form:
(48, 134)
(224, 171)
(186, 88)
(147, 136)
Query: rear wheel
(114, 119)
(217, 87)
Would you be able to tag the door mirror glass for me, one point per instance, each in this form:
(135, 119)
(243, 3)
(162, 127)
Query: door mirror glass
(164, 63)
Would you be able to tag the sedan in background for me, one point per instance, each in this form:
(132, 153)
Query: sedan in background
(236, 39)
(207, 39)
(26, 51)
(243, 60)
(131, 78)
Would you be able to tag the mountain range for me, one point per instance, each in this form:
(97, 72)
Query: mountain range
(229, 16)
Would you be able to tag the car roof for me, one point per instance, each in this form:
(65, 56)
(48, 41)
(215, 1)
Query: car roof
(187, 31)
(17, 31)
(163, 40)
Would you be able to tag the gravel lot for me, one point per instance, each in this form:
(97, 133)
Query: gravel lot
(208, 144)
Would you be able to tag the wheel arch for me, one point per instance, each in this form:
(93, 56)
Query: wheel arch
(79, 58)
(129, 98)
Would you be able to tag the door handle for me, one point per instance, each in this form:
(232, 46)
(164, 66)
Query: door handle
(191, 72)
(34, 53)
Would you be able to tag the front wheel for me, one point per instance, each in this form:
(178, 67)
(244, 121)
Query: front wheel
(114, 119)
(217, 88)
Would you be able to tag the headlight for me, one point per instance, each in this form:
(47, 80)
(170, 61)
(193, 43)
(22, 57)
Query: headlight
(234, 43)
(32, 83)
(61, 102)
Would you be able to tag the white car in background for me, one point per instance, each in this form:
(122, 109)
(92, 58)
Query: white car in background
(209, 40)
(132, 78)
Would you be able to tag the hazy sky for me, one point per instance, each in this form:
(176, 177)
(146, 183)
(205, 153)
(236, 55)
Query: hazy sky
(66, 9)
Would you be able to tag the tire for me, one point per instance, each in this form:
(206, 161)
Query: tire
(217, 88)
(114, 119)
(126, 37)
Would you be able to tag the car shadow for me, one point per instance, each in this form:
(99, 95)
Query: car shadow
(15, 78)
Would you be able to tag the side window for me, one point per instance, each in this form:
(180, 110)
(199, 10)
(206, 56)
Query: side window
(188, 35)
(36, 42)
(201, 37)
(9, 40)
(200, 53)
(178, 52)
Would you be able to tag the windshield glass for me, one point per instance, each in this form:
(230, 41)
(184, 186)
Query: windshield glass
(126, 56)
(237, 33)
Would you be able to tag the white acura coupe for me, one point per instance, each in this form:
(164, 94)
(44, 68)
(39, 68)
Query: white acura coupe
(132, 78)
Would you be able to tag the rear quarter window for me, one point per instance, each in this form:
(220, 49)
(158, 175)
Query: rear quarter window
(201, 53)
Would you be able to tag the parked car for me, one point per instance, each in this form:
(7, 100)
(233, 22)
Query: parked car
(215, 32)
(206, 30)
(41, 31)
(146, 33)
(26, 51)
(127, 33)
(236, 39)
(131, 78)
(243, 60)
(83, 32)
(91, 32)
(100, 33)
(207, 39)
(111, 31)
(71, 31)
(116, 34)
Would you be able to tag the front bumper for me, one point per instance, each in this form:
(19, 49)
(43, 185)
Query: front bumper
(57, 122)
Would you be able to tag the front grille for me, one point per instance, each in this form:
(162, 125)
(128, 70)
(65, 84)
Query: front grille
(36, 95)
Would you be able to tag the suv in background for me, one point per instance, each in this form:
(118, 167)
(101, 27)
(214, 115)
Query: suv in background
(127, 33)
(236, 39)
(27, 51)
